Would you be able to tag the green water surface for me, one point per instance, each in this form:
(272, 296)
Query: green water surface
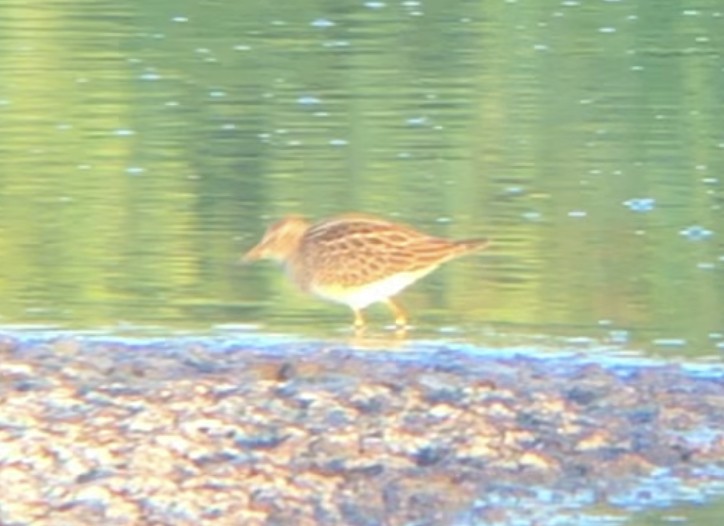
(145, 145)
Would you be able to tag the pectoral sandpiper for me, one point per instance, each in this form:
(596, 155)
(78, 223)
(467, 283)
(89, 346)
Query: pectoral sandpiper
(357, 259)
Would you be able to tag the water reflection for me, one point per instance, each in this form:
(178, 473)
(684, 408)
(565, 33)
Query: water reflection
(144, 147)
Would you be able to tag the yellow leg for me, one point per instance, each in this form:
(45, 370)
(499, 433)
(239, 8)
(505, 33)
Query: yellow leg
(359, 321)
(398, 312)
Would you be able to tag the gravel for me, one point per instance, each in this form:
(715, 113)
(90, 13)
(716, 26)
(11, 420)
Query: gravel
(181, 432)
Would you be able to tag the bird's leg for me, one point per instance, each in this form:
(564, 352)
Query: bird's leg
(398, 312)
(359, 321)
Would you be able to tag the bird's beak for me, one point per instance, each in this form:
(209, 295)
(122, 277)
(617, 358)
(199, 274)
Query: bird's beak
(254, 254)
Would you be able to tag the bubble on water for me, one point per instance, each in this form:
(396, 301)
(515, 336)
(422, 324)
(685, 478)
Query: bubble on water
(696, 233)
(124, 132)
(375, 5)
(669, 342)
(513, 190)
(532, 216)
(150, 76)
(135, 170)
(580, 340)
(577, 213)
(640, 204)
(337, 43)
(338, 142)
(228, 126)
(242, 47)
(217, 94)
(322, 22)
(417, 121)
(619, 336)
(704, 265)
(308, 100)
(606, 29)
(180, 19)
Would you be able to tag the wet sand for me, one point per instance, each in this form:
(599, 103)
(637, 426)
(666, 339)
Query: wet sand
(183, 432)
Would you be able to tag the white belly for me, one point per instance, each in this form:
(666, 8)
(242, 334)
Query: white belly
(361, 297)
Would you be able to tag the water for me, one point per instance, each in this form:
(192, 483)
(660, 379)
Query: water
(144, 147)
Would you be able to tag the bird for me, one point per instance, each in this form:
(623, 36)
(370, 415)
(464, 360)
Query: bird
(357, 259)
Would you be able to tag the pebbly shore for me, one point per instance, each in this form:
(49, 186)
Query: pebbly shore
(182, 432)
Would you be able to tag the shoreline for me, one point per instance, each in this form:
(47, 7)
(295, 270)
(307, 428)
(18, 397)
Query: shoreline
(179, 432)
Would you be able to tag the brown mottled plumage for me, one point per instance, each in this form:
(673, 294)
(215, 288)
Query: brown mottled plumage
(357, 259)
